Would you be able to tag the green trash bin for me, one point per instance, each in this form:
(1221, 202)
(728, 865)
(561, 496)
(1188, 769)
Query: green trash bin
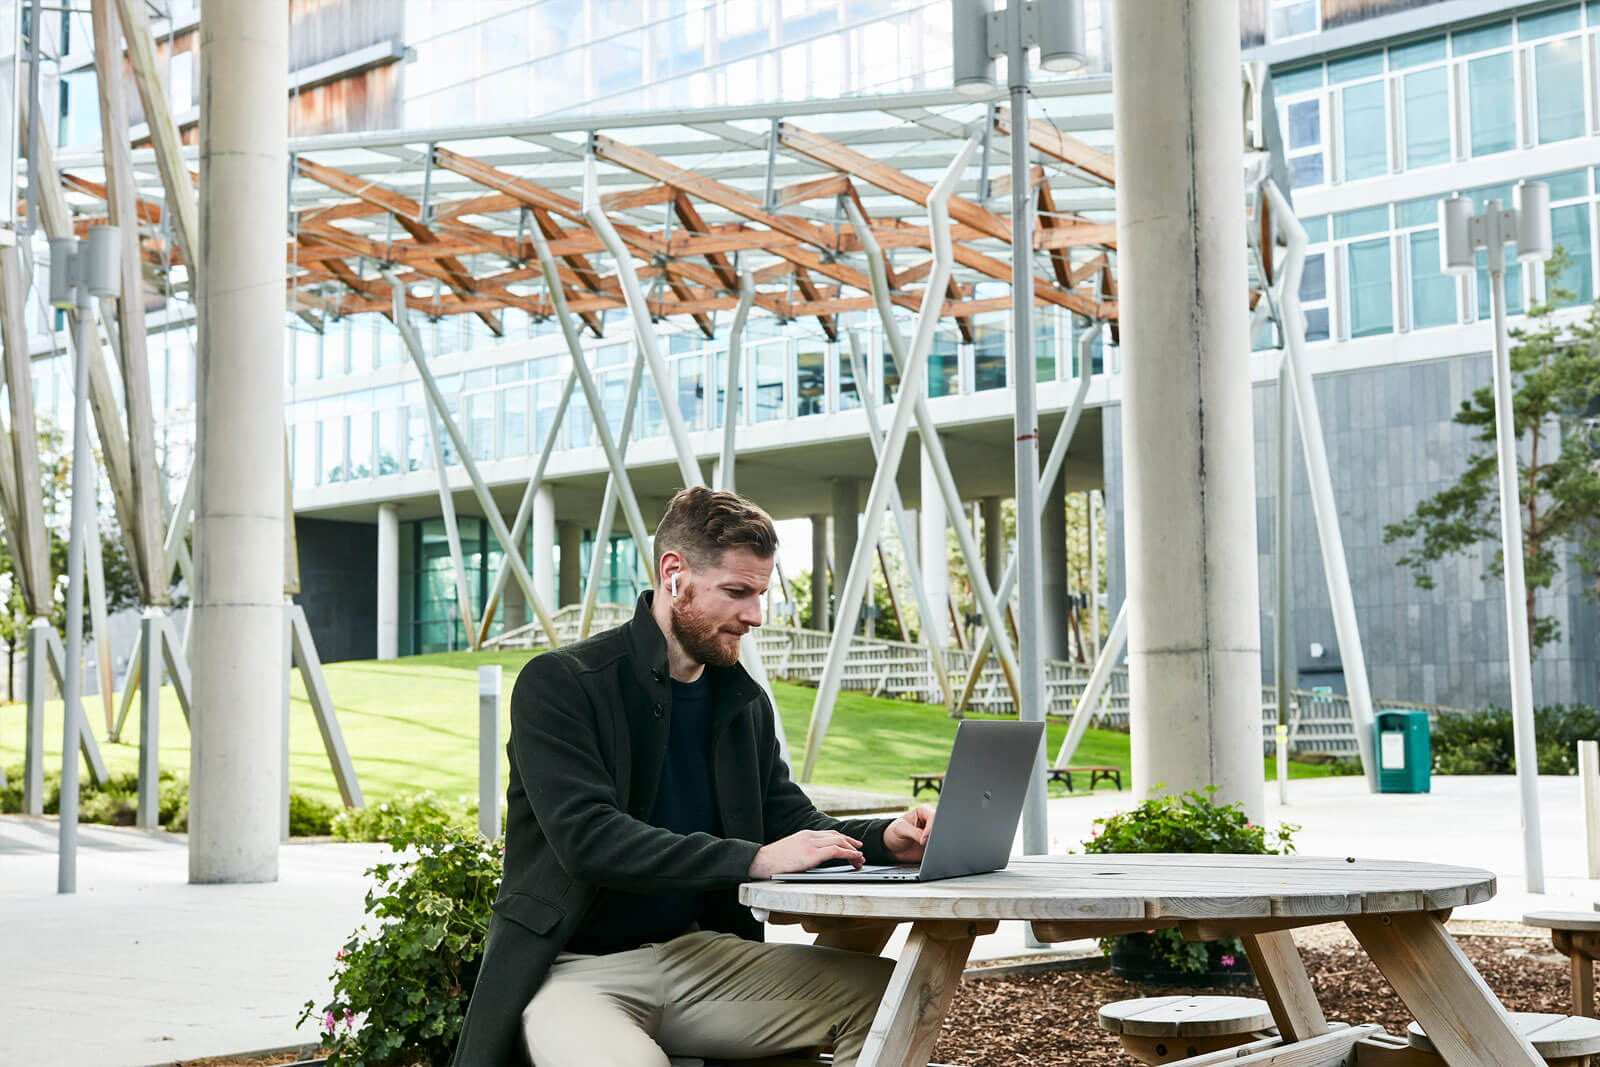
(1404, 754)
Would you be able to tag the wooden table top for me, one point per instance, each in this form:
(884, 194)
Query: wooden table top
(1097, 888)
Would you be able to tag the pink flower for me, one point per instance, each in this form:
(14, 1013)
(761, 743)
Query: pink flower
(347, 1020)
(339, 955)
(327, 1023)
(1227, 961)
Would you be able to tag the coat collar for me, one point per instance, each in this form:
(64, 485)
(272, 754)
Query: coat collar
(733, 685)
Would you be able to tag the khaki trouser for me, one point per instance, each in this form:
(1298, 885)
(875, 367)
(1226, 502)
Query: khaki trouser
(703, 994)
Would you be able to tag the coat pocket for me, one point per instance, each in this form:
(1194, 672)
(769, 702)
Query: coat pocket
(534, 914)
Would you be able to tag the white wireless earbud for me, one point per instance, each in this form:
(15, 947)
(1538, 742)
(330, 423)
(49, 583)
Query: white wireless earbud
(674, 583)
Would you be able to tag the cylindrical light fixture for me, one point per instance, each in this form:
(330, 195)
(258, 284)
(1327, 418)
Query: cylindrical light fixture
(102, 262)
(969, 48)
(1455, 238)
(1534, 242)
(63, 271)
(1061, 46)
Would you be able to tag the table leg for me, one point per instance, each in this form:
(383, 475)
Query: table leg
(1578, 948)
(925, 978)
(1284, 984)
(1462, 1017)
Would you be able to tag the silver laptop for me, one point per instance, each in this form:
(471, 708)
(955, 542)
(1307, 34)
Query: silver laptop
(979, 807)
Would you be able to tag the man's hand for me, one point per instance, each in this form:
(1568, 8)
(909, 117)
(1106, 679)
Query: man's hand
(804, 850)
(907, 837)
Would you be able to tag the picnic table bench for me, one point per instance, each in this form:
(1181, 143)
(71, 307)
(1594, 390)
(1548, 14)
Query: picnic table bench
(1576, 935)
(935, 782)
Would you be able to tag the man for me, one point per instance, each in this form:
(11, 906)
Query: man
(646, 785)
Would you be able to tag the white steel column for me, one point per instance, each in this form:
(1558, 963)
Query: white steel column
(1092, 536)
(932, 552)
(388, 581)
(994, 541)
(239, 670)
(544, 546)
(1194, 642)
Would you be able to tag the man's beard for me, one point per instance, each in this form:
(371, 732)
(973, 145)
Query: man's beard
(699, 636)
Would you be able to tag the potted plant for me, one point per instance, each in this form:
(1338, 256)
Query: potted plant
(1191, 822)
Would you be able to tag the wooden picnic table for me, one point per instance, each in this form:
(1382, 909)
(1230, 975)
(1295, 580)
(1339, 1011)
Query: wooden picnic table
(1396, 910)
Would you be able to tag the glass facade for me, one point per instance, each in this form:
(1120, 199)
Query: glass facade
(1473, 92)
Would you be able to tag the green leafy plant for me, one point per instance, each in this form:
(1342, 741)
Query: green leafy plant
(115, 802)
(1481, 743)
(1190, 822)
(402, 816)
(400, 989)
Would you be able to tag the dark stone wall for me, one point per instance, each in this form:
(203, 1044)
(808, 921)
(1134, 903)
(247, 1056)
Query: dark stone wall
(1391, 444)
(339, 586)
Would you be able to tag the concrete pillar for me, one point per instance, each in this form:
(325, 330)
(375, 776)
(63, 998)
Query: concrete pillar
(931, 554)
(570, 536)
(846, 526)
(1194, 640)
(237, 647)
(513, 607)
(819, 573)
(1092, 547)
(543, 526)
(388, 581)
(1054, 587)
(994, 541)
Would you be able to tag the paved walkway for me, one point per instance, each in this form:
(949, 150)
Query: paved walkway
(140, 968)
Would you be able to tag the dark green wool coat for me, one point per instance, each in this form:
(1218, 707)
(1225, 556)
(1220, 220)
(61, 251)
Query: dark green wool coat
(588, 736)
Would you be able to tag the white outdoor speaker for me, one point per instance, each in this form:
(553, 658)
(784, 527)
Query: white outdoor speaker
(63, 271)
(969, 47)
(1455, 236)
(1061, 35)
(1534, 243)
(102, 262)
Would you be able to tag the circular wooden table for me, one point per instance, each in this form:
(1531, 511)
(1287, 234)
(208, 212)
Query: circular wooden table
(1395, 908)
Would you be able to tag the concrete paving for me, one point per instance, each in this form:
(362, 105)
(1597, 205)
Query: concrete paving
(140, 968)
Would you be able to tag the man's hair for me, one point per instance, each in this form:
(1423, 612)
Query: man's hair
(701, 524)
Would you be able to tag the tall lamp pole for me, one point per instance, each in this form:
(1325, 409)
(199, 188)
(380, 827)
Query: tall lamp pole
(1528, 227)
(1055, 27)
(79, 272)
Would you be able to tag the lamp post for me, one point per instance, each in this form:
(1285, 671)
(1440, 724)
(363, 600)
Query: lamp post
(79, 273)
(980, 36)
(1463, 233)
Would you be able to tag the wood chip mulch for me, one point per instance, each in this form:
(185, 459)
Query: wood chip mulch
(1049, 1018)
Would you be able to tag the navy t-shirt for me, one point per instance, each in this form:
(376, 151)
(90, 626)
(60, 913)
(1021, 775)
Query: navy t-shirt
(686, 803)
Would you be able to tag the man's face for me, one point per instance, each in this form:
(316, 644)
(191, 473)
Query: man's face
(717, 605)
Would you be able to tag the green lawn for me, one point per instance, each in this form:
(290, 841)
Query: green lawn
(411, 724)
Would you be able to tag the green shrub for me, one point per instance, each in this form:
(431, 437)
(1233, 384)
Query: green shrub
(402, 816)
(1192, 822)
(309, 817)
(399, 989)
(115, 802)
(1481, 743)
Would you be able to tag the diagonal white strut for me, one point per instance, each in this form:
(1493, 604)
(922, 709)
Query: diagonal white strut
(906, 527)
(591, 390)
(519, 526)
(983, 592)
(608, 508)
(1322, 503)
(1047, 481)
(908, 401)
(491, 511)
(731, 398)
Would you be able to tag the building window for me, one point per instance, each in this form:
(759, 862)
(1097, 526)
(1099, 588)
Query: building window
(1558, 81)
(1305, 155)
(1314, 295)
(944, 365)
(988, 356)
(1294, 18)
(810, 377)
(1425, 96)
(769, 366)
(1365, 131)
(1491, 104)
(1570, 228)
